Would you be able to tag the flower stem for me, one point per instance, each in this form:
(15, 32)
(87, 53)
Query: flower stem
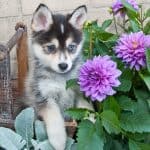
(115, 22)
(91, 44)
(141, 18)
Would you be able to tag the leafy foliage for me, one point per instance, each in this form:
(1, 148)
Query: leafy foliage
(24, 125)
(23, 138)
(122, 121)
(8, 137)
(90, 136)
(110, 122)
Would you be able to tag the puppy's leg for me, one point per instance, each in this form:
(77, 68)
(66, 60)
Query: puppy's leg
(55, 125)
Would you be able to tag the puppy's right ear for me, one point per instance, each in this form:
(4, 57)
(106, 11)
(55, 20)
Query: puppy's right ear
(42, 19)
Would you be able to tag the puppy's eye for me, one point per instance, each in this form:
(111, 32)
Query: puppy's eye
(72, 48)
(50, 49)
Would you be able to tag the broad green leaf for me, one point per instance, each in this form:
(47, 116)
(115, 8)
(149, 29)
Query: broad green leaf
(90, 136)
(106, 24)
(147, 28)
(34, 142)
(148, 101)
(45, 145)
(126, 103)
(142, 105)
(146, 79)
(125, 80)
(131, 12)
(133, 145)
(77, 113)
(112, 144)
(9, 139)
(135, 25)
(111, 42)
(147, 13)
(141, 94)
(110, 122)
(137, 122)
(128, 6)
(74, 146)
(148, 59)
(40, 131)
(111, 104)
(24, 125)
(99, 48)
(105, 36)
(138, 146)
(69, 144)
(144, 146)
(71, 83)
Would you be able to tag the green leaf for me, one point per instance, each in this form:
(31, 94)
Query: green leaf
(138, 146)
(111, 104)
(40, 131)
(128, 6)
(74, 146)
(125, 80)
(69, 144)
(110, 122)
(77, 113)
(106, 24)
(9, 139)
(131, 12)
(142, 94)
(135, 25)
(148, 59)
(137, 122)
(147, 13)
(148, 101)
(133, 145)
(144, 146)
(100, 48)
(146, 79)
(45, 145)
(126, 103)
(112, 144)
(71, 83)
(90, 136)
(147, 28)
(105, 36)
(24, 125)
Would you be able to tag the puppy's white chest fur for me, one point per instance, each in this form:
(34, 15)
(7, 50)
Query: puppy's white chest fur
(56, 91)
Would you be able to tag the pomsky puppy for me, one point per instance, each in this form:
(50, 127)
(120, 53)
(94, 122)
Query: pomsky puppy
(55, 57)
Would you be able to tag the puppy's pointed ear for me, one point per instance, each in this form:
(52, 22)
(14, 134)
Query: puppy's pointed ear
(42, 19)
(78, 17)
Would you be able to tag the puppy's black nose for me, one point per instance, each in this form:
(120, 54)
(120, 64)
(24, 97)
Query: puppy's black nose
(63, 66)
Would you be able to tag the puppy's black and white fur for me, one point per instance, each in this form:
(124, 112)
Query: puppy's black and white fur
(55, 57)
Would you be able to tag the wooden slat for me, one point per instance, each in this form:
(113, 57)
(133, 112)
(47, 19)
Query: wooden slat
(22, 59)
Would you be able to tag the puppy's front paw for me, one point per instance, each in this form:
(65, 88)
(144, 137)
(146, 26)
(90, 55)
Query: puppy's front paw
(58, 138)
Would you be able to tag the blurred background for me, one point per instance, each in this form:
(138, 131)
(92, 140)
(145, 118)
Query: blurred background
(13, 11)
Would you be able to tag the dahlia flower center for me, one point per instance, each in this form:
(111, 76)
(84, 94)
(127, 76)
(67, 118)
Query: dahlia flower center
(135, 44)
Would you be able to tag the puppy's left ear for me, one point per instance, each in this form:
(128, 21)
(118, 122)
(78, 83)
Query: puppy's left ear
(78, 17)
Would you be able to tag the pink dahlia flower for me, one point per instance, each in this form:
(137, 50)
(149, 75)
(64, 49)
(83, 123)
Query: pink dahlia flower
(97, 77)
(118, 7)
(131, 49)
